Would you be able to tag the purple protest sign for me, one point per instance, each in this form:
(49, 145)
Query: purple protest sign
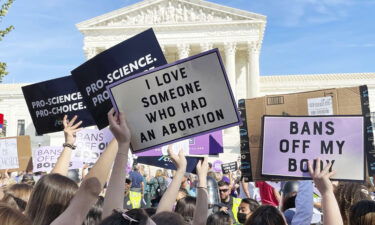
(289, 142)
(216, 166)
(208, 144)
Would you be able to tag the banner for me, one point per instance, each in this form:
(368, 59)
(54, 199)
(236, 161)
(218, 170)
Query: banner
(177, 101)
(45, 158)
(9, 154)
(165, 162)
(137, 54)
(229, 167)
(207, 144)
(50, 100)
(90, 144)
(290, 142)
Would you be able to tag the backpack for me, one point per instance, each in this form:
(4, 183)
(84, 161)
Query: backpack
(162, 186)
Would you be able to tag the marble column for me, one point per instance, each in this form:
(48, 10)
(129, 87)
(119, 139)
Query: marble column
(183, 50)
(206, 46)
(230, 64)
(253, 79)
(90, 52)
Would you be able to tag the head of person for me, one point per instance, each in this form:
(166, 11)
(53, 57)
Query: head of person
(168, 218)
(219, 218)
(266, 215)
(246, 208)
(133, 216)
(50, 197)
(17, 196)
(288, 201)
(159, 173)
(182, 193)
(209, 166)
(95, 214)
(186, 207)
(12, 216)
(362, 213)
(28, 179)
(135, 167)
(224, 190)
(348, 194)
(128, 184)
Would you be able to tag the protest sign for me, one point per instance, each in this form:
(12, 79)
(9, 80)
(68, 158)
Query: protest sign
(216, 165)
(176, 101)
(50, 100)
(290, 142)
(45, 158)
(229, 167)
(207, 144)
(15, 153)
(90, 144)
(166, 162)
(8, 154)
(137, 54)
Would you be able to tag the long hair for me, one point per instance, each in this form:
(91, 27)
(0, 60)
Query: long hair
(362, 213)
(347, 194)
(219, 218)
(126, 217)
(94, 216)
(17, 196)
(186, 207)
(50, 197)
(11, 216)
(266, 215)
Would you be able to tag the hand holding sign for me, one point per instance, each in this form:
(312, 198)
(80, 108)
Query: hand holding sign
(202, 168)
(321, 177)
(118, 126)
(70, 129)
(178, 160)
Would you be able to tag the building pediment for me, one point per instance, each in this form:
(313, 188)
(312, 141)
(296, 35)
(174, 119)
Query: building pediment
(169, 12)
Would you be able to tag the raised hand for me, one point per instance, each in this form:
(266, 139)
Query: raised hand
(118, 126)
(70, 129)
(178, 160)
(321, 177)
(202, 167)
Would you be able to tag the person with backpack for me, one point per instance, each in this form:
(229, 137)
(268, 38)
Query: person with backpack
(158, 187)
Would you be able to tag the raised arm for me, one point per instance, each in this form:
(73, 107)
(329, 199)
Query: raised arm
(170, 195)
(70, 130)
(331, 211)
(115, 190)
(91, 186)
(201, 208)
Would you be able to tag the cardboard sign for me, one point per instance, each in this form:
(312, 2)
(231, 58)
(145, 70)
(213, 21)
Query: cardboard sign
(9, 154)
(165, 162)
(45, 158)
(177, 101)
(137, 54)
(207, 144)
(90, 144)
(229, 167)
(21, 146)
(50, 100)
(290, 142)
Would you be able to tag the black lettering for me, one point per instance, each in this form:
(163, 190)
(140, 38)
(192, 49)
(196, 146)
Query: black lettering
(329, 126)
(318, 128)
(284, 145)
(292, 165)
(305, 128)
(151, 117)
(303, 165)
(293, 127)
(340, 144)
(326, 149)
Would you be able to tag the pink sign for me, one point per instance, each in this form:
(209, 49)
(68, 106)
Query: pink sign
(290, 142)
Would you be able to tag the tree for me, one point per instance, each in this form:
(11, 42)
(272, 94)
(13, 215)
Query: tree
(3, 11)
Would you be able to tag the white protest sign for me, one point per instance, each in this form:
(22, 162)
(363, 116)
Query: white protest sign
(177, 101)
(90, 144)
(8, 153)
(176, 147)
(45, 158)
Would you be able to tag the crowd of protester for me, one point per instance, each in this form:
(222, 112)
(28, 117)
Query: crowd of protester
(106, 195)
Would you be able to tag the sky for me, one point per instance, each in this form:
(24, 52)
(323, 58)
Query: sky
(301, 37)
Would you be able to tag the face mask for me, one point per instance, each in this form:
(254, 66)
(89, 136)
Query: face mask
(241, 217)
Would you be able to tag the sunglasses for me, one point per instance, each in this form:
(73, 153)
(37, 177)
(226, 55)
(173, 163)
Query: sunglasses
(223, 190)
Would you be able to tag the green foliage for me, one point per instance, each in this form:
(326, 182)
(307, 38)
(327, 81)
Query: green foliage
(3, 11)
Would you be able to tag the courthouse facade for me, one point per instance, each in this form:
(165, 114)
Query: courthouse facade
(185, 28)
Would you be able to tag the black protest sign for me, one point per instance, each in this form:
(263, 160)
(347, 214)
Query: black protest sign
(166, 162)
(229, 167)
(177, 101)
(137, 54)
(50, 100)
